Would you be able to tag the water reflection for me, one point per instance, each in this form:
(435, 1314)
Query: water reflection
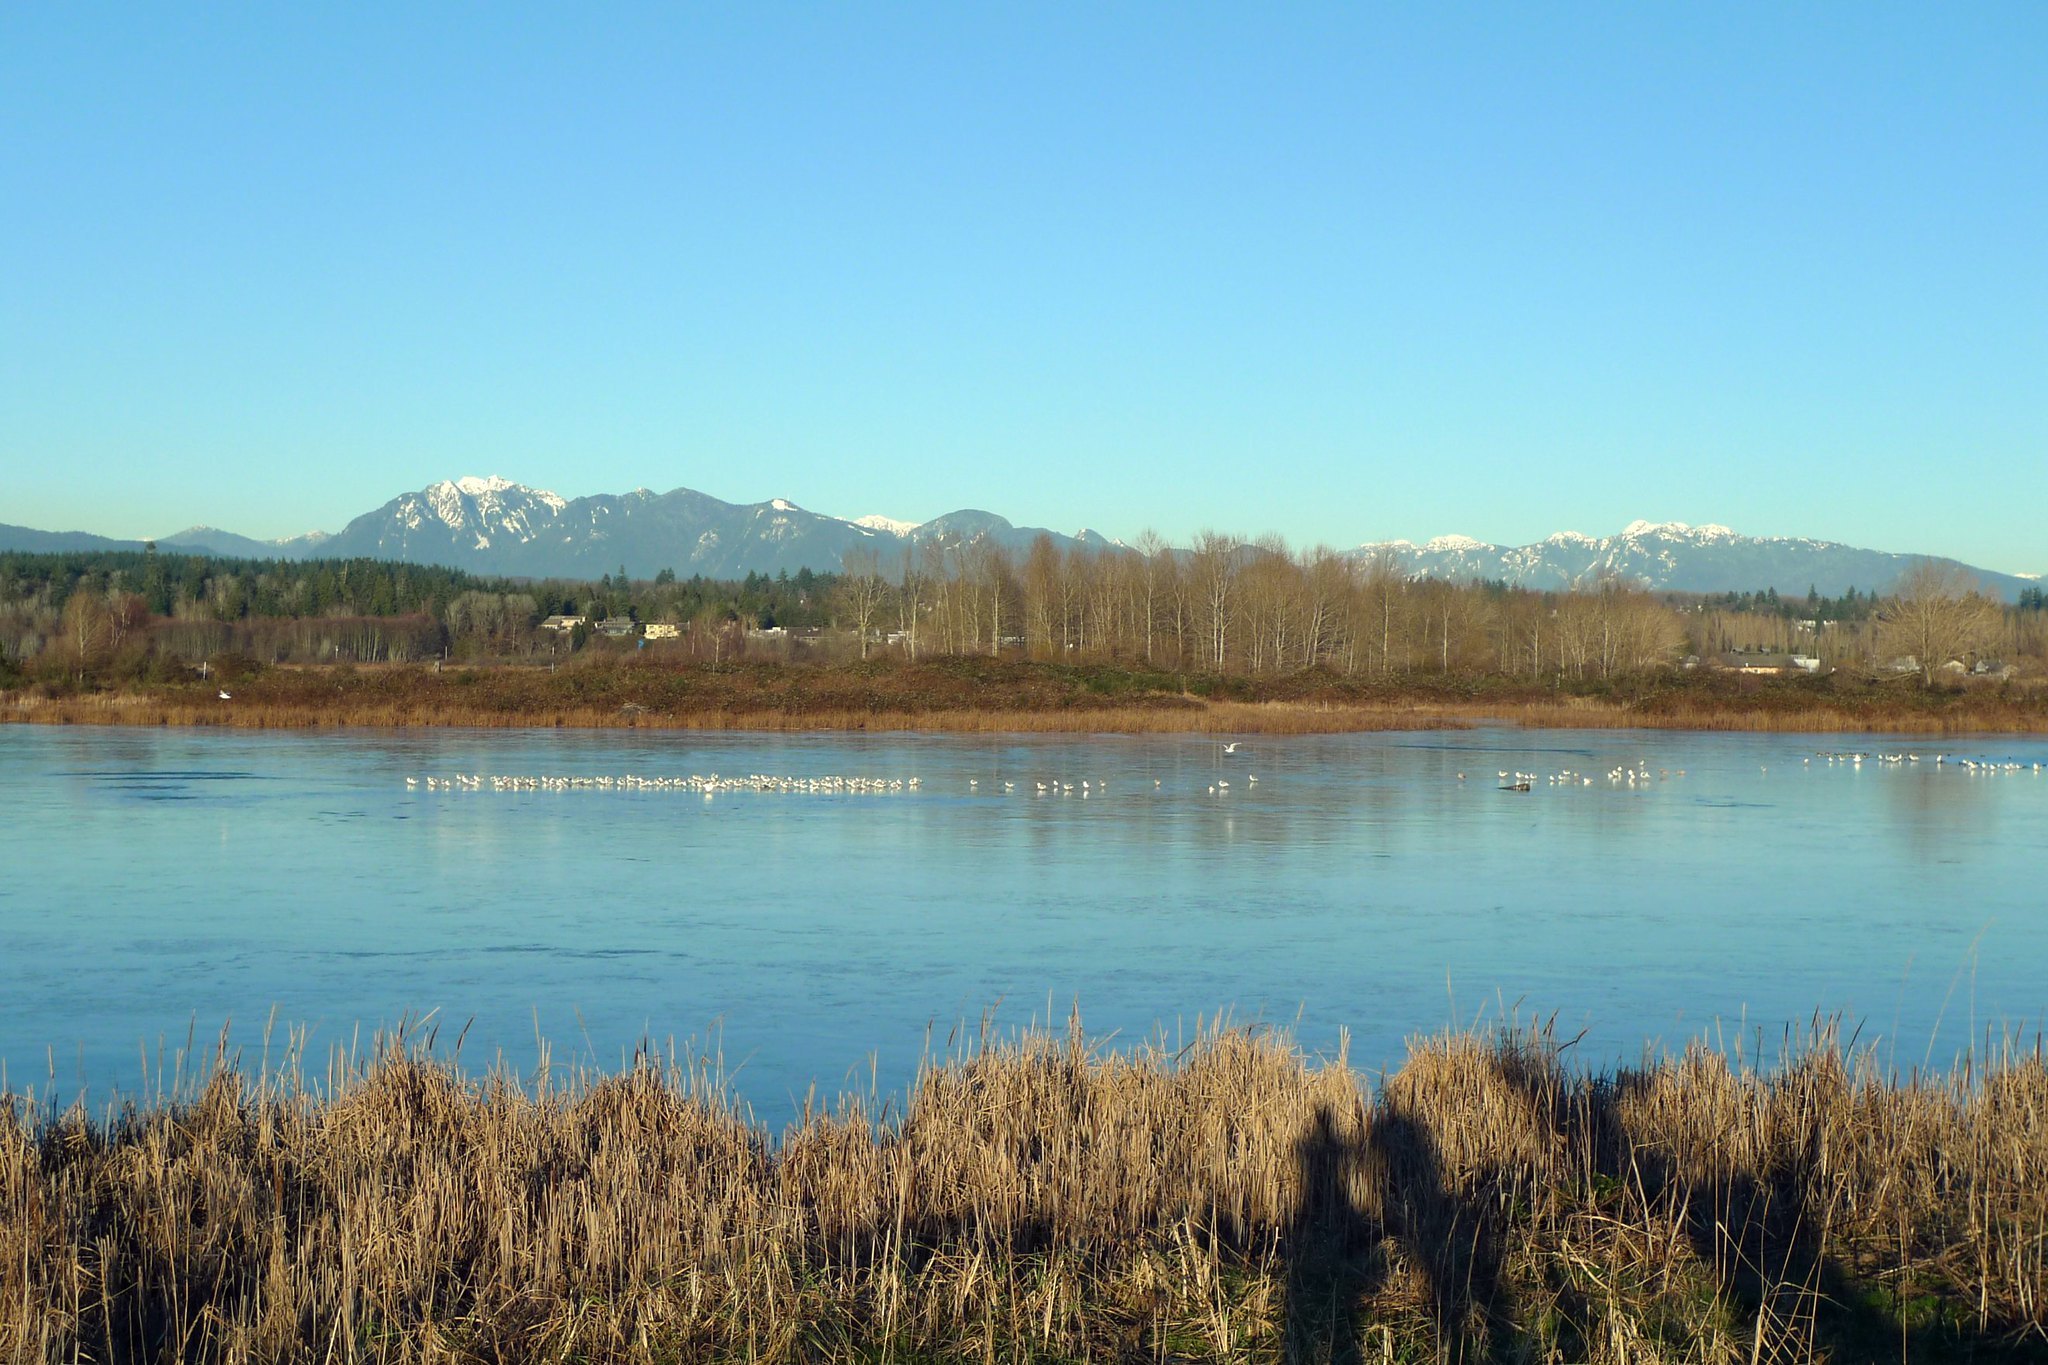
(1935, 812)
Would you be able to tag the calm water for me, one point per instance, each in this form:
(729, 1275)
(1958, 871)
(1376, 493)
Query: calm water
(152, 882)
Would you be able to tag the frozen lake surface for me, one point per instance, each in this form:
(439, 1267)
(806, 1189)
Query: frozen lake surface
(157, 882)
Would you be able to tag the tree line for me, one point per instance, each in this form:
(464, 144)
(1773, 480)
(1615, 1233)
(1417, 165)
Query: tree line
(1223, 605)
(137, 607)
(1227, 605)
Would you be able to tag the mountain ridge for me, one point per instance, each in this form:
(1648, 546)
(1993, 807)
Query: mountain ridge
(1675, 556)
(494, 525)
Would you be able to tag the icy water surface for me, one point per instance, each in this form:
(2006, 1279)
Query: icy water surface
(153, 883)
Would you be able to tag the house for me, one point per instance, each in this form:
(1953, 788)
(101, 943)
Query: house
(564, 624)
(1759, 662)
(617, 627)
(663, 630)
(800, 635)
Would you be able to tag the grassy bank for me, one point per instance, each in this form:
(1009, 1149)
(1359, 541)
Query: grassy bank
(1037, 1200)
(989, 695)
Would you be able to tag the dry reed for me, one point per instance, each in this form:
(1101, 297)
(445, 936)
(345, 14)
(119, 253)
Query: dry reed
(983, 696)
(1037, 1199)
(1197, 717)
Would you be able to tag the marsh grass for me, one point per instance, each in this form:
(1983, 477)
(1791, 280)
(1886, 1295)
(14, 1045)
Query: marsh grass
(1199, 717)
(983, 695)
(1017, 696)
(1038, 1198)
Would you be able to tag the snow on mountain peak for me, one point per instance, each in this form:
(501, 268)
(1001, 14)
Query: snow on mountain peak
(1675, 529)
(473, 486)
(445, 499)
(783, 505)
(470, 486)
(1450, 544)
(877, 522)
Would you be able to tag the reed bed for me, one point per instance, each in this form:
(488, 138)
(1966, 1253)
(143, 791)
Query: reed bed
(1736, 717)
(1199, 717)
(1036, 1198)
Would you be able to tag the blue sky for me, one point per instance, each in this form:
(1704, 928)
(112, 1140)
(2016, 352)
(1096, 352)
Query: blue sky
(1344, 273)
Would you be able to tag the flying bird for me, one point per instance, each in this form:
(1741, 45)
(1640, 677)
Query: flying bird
(225, 697)
(1231, 747)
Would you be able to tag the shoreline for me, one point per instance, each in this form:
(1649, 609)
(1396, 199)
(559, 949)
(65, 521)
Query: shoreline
(980, 695)
(1221, 718)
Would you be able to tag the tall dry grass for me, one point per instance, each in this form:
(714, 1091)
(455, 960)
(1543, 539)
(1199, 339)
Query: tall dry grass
(1157, 716)
(974, 695)
(1180, 716)
(1036, 1199)
(1592, 713)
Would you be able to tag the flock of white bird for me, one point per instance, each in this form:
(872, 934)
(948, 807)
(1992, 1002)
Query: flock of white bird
(1626, 775)
(840, 785)
(711, 784)
(706, 785)
(1904, 757)
(1512, 780)
(1641, 775)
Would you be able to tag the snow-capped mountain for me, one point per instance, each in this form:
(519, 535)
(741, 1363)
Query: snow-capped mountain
(889, 524)
(495, 526)
(1668, 555)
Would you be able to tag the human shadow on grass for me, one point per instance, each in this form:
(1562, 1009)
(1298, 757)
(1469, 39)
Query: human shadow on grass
(1338, 1251)
(1776, 1263)
(1332, 1250)
(1768, 1250)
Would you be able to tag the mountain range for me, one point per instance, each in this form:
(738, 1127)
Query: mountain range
(1672, 556)
(496, 526)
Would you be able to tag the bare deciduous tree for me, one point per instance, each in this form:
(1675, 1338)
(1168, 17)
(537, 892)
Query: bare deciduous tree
(1386, 592)
(127, 613)
(86, 622)
(910, 601)
(1327, 580)
(1042, 591)
(1937, 614)
(862, 593)
(1145, 584)
(1212, 569)
(987, 567)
